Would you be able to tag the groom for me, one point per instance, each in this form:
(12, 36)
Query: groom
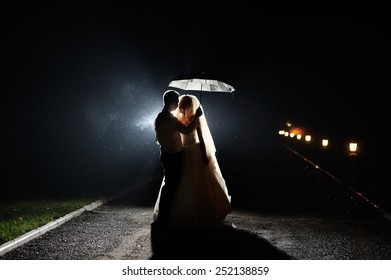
(168, 131)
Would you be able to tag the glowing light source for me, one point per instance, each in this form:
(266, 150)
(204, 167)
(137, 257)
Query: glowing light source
(297, 130)
(298, 136)
(291, 134)
(325, 143)
(353, 146)
(307, 138)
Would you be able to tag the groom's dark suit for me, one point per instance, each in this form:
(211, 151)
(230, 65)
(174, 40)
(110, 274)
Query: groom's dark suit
(168, 135)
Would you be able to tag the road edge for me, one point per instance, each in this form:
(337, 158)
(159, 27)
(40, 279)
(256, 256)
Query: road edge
(10, 245)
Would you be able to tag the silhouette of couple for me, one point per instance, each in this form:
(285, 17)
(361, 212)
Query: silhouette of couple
(193, 193)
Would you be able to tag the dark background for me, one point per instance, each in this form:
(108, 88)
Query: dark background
(82, 83)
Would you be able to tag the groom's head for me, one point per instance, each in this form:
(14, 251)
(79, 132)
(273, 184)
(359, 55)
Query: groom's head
(171, 99)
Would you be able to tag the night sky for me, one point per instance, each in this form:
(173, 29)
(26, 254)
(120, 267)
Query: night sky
(81, 85)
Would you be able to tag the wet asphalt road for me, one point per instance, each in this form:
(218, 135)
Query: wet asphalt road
(283, 208)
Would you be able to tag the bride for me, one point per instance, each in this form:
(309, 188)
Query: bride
(202, 198)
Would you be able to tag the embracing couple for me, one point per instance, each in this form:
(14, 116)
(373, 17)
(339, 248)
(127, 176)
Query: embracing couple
(193, 193)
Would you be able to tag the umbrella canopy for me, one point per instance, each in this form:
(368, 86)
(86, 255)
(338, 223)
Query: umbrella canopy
(202, 85)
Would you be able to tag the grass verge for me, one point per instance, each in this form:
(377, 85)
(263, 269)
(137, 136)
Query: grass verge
(20, 216)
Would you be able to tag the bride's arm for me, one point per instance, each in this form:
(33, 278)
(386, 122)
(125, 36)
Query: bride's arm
(202, 145)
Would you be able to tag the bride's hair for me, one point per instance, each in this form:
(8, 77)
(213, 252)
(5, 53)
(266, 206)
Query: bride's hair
(187, 107)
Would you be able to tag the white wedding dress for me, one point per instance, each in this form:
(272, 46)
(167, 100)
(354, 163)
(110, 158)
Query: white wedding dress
(202, 199)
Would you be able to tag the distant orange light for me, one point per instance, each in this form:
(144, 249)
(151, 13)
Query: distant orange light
(297, 130)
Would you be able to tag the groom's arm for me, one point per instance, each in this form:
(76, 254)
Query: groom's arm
(186, 129)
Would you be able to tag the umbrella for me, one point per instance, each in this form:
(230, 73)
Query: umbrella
(202, 85)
